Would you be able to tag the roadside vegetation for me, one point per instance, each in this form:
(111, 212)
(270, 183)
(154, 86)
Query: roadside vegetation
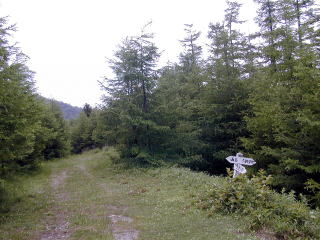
(158, 200)
(282, 214)
(85, 191)
(31, 130)
(25, 200)
(257, 94)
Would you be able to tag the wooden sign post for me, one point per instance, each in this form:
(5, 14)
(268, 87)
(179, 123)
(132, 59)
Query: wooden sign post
(238, 161)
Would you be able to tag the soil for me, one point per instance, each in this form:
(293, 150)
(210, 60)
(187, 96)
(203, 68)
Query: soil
(58, 224)
(122, 228)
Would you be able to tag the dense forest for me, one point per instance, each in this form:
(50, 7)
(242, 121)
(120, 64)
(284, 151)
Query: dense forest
(257, 94)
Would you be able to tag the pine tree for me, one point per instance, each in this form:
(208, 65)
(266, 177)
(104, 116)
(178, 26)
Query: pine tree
(177, 106)
(82, 133)
(134, 68)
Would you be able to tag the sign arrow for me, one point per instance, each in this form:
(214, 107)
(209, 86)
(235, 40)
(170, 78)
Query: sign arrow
(237, 161)
(241, 160)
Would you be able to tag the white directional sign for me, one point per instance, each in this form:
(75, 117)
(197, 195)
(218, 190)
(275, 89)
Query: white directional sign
(241, 160)
(237, 161)
(239, 168)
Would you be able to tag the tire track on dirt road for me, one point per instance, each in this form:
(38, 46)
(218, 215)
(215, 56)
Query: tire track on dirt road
(57, 225)
(121, 226)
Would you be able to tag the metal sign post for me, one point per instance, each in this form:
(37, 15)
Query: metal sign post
(238, 160)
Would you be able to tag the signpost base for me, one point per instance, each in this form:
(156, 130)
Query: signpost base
(236, 173)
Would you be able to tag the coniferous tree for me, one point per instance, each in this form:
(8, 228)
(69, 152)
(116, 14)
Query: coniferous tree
(130, 104)
(226, 96)
(87, 131)
(57, 144)
(283, 102)
(191, 57)
(51, 137)
(178, 100)
(19, 110)
(268, 21)
(87, 109)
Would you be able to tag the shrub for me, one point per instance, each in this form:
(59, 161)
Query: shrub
(262, 207)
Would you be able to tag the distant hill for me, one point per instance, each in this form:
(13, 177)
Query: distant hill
(69, 111)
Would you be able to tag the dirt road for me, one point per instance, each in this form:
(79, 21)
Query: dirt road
(85, 197)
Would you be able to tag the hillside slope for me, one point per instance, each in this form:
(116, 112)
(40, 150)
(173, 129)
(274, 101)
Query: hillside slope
(69, 111)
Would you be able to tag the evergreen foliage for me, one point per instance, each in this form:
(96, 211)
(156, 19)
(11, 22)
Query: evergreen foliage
(258, 94)
(225, 99)
(30, 130)
(87, 109)
(130, 112)
(19, 111)
(284, 125)
(83, 130)
(55, 130)
(86, 131)
(178, 99)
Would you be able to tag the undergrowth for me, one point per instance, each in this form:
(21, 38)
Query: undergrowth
(262, 208)
(134, 158)
(253, 202)
(14, 190)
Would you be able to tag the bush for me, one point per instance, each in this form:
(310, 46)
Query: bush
(263, 208)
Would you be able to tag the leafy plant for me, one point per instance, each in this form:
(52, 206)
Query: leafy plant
(262, 207)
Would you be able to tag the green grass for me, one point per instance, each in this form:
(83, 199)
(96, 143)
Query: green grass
(27, 201)
(159, 201)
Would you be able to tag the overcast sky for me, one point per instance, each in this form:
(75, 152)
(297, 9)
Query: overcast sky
(68, 41)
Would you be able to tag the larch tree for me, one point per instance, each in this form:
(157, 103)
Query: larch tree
(191, 56)
(130, 104)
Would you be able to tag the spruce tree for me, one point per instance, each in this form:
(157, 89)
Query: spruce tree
(19, 109)
(57, 144)
(225, 99)
(283, 101)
